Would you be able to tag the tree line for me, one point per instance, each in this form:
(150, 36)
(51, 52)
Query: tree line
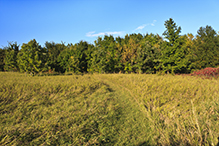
(149, 53)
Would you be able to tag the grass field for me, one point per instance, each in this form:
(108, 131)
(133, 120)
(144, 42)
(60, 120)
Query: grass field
(108, 109)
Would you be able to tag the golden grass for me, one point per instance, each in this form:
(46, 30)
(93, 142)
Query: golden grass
(108, 109)
(183, 110)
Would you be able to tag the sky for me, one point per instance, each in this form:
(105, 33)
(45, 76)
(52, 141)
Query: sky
(70, 21)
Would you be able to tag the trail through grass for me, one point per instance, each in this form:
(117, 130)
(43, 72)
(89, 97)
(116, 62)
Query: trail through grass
(108, 109)
(182, 110)
(75, 110)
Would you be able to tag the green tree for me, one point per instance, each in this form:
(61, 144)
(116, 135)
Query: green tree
(97, 62)
(54, 51)
(189, 46)
(128, 49)
(105, 56)
(148, 54)
(2, 56)
(206, 48)
(10, 59)
(173, 57)
(75, 58)
(82, 51)
(32, 58)
(64, 60)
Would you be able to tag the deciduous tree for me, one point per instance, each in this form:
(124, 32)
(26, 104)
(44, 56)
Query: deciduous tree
(32, 58)
(75, 58)
(10, 59)
(2, 56)
(54, 50)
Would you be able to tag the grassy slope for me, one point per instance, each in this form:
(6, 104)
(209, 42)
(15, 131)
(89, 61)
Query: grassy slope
(108, 109)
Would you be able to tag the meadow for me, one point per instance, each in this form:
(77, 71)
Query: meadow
(108, 109)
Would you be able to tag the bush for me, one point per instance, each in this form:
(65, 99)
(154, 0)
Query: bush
(207, 72)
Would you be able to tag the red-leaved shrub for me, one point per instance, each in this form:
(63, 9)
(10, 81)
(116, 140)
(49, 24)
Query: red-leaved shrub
(207, 72)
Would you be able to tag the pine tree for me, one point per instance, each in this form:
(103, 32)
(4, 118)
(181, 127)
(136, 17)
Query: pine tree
(173, 58)
(206, 50)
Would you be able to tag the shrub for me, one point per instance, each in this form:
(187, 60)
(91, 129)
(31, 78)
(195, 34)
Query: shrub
(207, 72)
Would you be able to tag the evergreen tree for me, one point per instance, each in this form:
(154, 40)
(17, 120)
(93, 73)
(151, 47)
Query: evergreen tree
(173, 57)
(206, 50)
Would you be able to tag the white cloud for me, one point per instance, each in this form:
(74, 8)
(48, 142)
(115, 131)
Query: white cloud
(144, 25)
(152, 24)
(141, 27)
(93, 34)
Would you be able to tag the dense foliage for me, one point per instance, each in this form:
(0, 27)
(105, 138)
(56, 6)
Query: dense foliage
(2, 56)
(136, 53)
(32, 58)
(10, 59)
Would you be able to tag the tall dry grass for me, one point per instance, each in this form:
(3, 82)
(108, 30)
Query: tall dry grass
(108, 109)
(183, 110)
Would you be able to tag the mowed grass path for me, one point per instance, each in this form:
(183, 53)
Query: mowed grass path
(182, 110)
(108, 109)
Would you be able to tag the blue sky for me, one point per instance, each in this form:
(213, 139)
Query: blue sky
(71, 21)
